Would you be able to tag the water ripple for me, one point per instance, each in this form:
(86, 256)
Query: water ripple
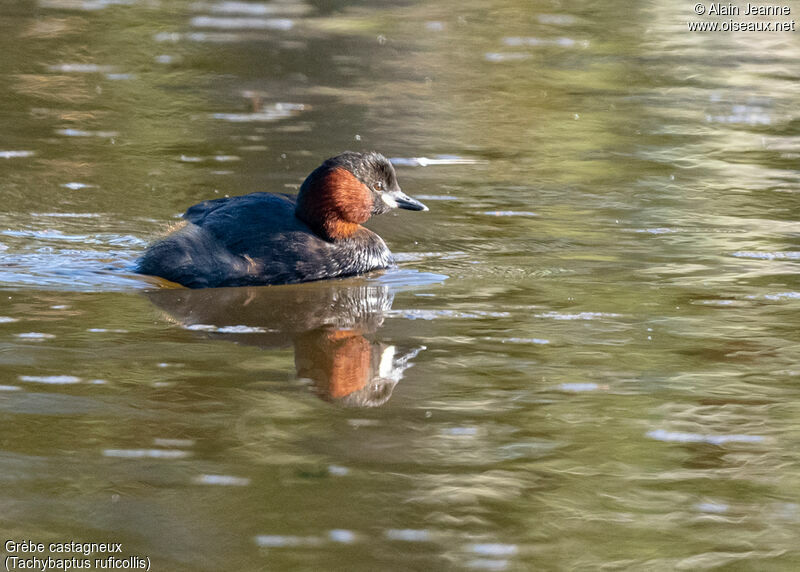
(680, 437)
(242, 23)
(146, 453)
(51, 379)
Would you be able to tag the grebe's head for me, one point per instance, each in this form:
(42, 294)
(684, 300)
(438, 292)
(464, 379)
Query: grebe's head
(346, 190)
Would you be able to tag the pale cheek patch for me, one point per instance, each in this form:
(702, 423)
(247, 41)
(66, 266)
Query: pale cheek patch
(388, 200)
(386, 366)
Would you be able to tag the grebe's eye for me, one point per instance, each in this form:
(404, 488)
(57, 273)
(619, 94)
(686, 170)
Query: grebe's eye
(378, 186)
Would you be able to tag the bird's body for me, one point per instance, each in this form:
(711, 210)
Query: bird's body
(264, 238)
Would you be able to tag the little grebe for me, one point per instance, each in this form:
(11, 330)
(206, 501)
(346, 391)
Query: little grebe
(264, 238)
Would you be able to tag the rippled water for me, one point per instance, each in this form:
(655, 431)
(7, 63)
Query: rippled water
(588, 356)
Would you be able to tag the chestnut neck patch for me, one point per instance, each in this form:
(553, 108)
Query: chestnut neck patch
(334, 203)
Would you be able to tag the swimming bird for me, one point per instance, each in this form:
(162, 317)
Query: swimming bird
(265, 238)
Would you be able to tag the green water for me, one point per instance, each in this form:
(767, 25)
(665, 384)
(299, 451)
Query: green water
(588, 357)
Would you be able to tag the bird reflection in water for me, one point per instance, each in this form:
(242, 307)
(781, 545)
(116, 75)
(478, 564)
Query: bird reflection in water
(329, 325)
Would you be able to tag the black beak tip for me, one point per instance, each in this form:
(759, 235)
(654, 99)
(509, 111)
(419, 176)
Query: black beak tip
(409, 204)
(417, 207)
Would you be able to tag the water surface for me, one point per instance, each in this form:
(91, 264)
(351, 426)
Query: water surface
(587, 358)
